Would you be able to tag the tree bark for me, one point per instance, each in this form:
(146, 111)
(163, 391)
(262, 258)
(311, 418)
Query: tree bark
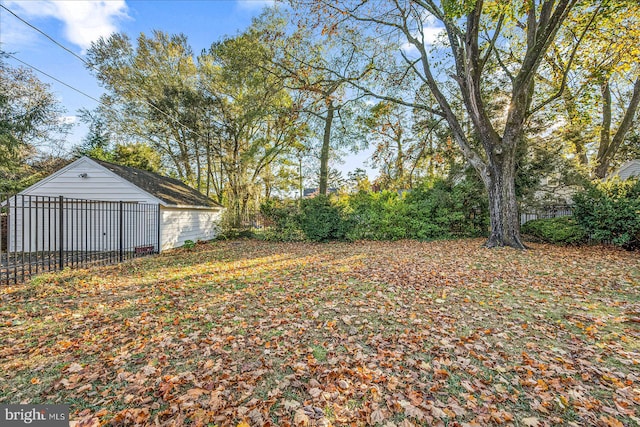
(609, 146)
(503, 206)
(326, 146)
(573, 134)
(400, 162)
(605, 132)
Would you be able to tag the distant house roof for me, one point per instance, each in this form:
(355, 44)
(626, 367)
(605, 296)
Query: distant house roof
(309, 192)
(628, 170)
(169, 190)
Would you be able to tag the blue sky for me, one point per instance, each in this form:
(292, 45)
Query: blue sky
(75, 24)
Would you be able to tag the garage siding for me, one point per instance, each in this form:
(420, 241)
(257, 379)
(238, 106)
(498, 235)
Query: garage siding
(630, 170)
(99, 184)
(181, 224)
(87, 180)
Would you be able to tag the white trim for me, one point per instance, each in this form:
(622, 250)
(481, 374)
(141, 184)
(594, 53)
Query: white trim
(208, 208)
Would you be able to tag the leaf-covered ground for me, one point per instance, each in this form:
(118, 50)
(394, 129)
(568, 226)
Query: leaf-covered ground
(248, 333)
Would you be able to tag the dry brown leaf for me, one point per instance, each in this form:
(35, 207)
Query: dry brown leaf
(74, 367)
(530, 421)
(300, 418)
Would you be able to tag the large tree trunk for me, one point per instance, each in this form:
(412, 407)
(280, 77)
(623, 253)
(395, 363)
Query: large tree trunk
(573, 132)
(503, 206)
(608, 146)
(326, 146)
(605, 132)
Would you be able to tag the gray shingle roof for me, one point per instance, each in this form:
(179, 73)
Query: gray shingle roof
(170, 190)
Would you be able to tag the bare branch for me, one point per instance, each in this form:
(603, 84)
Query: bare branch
(565, 73)
(505, 69)
(492, 43)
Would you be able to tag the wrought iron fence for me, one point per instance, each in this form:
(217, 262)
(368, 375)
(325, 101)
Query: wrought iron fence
(43, 233)
(544, 212)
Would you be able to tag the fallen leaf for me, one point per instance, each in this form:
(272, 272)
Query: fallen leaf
(74, 367)
(290, 405)
(530, 422)
(315, 392)
(300, 418)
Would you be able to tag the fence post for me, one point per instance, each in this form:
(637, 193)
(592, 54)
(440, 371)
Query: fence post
(61, 235)
(121, 232)
(158, 217)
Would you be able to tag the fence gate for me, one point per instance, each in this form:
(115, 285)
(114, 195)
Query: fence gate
(43, 233)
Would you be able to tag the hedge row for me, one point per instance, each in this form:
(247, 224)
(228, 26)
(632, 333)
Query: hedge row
(433, 211)
(605, 212)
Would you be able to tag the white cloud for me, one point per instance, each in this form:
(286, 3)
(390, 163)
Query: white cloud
(432, 35)
(84, 21)
(68, 120)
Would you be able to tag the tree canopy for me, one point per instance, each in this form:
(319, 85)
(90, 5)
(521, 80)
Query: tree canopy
(508, 90)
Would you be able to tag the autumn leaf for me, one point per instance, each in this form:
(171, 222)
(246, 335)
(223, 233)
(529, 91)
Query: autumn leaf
(74, 367)
(301, 419)
(315, 392)
(355, 336)
(610, 421)
(378, 416)
(290, 405)
(530, 422)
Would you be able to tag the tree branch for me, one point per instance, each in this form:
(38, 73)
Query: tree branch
(565, 73)
(492, 43)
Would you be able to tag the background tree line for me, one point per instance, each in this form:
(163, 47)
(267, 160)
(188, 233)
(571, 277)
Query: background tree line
(510, 90)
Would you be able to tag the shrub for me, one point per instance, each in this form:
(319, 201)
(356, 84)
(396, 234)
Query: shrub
(321, 220)
(442, 209)
(610, 211)
(560, 230)
(377, 216)
(432, 211)
(285, 217)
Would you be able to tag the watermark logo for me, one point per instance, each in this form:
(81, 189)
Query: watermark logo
(34, 415)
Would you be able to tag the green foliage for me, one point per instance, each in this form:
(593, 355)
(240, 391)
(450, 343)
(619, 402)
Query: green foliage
(31, 117)
(610, 211)
(561, 230)
(541, 159)
(285, 219)
(322, 220)
(442, 210)
(189, 244)
(433, 211)
(140, 156)
(377, 216)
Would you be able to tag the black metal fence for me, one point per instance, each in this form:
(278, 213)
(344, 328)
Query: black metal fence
(544, 212)
(42, 233)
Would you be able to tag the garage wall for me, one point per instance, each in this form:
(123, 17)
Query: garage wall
(91, 226)
(181, 224)
(84, 179)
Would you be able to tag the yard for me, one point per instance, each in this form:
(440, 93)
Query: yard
(248, 333)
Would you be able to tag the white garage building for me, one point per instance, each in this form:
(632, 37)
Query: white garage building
(185, 214)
